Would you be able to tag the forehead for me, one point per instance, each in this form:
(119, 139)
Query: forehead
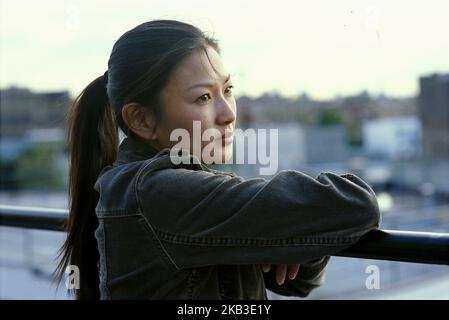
(197, 67)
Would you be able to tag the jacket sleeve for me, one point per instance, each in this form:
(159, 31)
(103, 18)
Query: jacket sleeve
(311, 275)
(200, 218)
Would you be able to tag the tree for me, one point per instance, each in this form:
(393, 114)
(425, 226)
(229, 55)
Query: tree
(330, 117)
(38, 168)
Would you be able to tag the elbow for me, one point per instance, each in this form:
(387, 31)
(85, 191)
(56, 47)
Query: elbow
(356, 200)
(367, 210)
(364, 205)
(372, 216)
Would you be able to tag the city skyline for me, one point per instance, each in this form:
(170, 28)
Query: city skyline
(322, 49)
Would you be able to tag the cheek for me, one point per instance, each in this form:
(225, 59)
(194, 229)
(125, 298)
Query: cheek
(183, 116)
(204, 115)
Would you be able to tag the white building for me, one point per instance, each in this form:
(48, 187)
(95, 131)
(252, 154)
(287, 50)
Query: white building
(301, 145)
(392, 138)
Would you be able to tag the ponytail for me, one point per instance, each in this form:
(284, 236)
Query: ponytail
(92, 140)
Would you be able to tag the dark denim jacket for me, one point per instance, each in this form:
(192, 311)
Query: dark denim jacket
(188, 231)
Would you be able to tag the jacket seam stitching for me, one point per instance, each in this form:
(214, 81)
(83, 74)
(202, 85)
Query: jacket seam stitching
(121, 216)
(160, 242)
(139, 175)
(106, 276)
(222, 241)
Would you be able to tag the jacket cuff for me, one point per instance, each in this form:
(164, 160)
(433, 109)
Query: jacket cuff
(312, 270)
(311, 275)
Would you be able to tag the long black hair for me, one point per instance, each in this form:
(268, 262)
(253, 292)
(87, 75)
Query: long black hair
(140, 65)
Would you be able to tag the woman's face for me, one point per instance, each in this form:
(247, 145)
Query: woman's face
(197, 92)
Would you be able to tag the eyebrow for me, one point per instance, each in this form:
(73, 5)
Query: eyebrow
(209, 84)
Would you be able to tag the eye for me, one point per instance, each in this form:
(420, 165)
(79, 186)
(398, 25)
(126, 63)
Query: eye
(230, 89)
(203, 99)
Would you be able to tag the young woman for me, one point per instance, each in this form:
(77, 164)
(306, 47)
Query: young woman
(142, 226)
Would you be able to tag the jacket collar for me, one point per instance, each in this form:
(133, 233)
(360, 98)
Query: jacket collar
(133, 149)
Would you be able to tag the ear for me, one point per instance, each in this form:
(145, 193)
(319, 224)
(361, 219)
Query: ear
(141, 120)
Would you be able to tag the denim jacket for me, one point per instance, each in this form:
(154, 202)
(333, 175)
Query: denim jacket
(187, 231)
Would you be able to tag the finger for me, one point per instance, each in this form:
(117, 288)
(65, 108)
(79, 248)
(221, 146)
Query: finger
(293, 271)
(266, 267)
(281, 272)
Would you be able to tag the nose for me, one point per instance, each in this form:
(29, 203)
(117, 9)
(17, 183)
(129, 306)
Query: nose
(225, 113)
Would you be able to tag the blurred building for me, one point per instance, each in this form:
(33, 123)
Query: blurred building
(12, 146)
(325, 144)
(301, 144)
(434, 114)
(392, 138)
(22, 110)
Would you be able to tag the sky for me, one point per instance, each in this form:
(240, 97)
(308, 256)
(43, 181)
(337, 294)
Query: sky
(322, 48)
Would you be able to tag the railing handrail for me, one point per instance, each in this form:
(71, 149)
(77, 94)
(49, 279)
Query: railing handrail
(395, 245)
(33, 217)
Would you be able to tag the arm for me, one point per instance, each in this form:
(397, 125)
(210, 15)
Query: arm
(201, 218)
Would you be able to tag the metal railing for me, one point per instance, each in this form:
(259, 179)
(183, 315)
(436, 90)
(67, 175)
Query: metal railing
(394, 245)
